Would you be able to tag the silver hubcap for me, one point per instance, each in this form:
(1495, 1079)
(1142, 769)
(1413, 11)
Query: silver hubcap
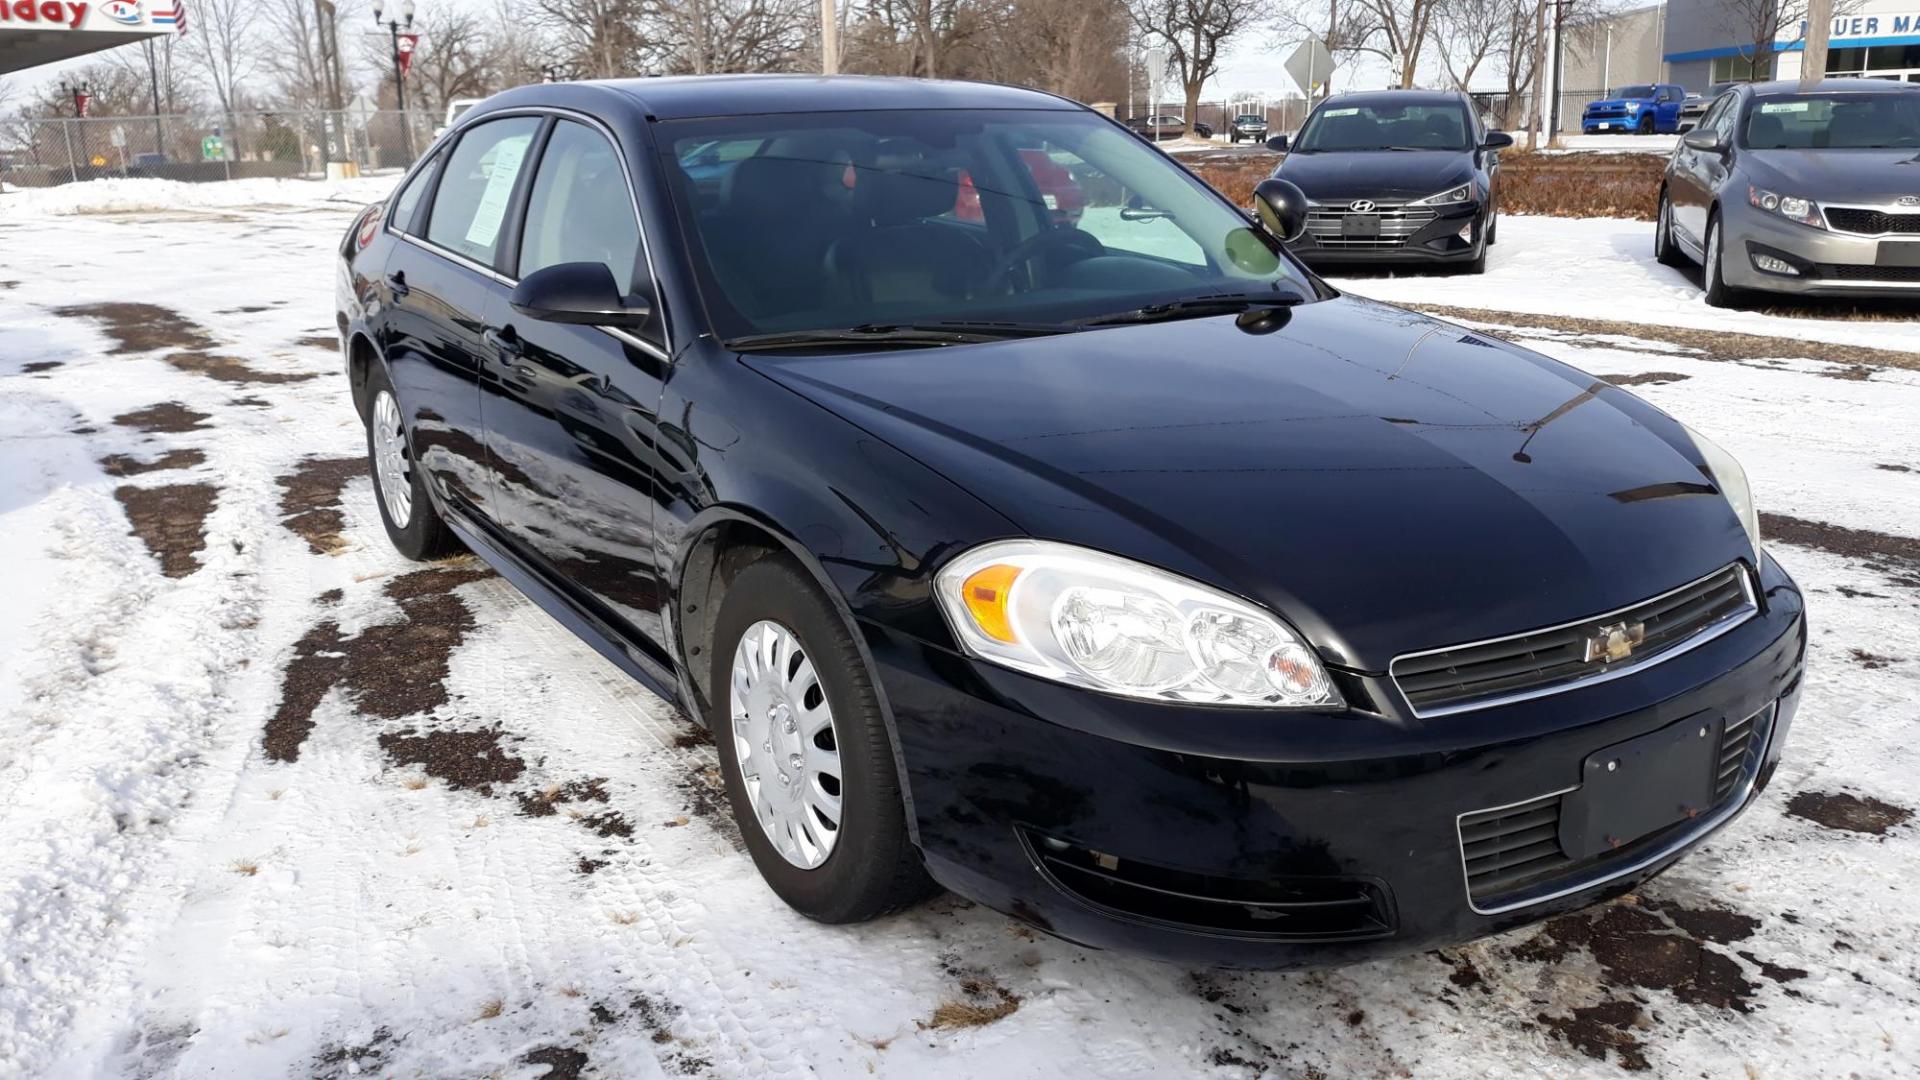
(785, 744)
(1713, 254)
(390, 463)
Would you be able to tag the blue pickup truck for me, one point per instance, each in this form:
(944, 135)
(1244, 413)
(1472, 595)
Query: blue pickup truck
(1644, 108)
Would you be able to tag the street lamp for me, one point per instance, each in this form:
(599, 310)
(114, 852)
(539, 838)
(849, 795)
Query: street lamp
(394, 26)
(81, 93)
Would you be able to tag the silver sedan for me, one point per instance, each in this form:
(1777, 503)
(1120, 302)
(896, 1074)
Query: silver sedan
(1812, 191)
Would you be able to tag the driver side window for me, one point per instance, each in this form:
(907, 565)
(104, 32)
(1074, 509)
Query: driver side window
(1079, 194)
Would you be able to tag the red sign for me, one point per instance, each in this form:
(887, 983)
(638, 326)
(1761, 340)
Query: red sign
(81, 99)
(57, 12)
(405, 45)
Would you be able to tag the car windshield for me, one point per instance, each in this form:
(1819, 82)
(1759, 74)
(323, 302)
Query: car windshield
(887, 220)
(1385, 127)
(1855, 121)
(1638, 90)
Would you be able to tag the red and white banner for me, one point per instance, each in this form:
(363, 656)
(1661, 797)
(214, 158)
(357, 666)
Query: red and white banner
(405, 45)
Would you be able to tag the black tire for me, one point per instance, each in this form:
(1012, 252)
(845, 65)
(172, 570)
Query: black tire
(1665, 250)
(1646, 125)
(423, 537)
(1493, 227)
(1718, 293)
(873, 867)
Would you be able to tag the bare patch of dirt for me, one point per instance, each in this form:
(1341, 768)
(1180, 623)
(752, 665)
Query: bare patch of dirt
(168, 418)
(318, 341)
(39, 366)
(172, 522)
(981, 1001)
(390, 670)
(1718, 345)
(232, 369)
(588, 867)
(1895, 468)
(466, 760)
(354, 1060)
(1898, 557)
(548, 801)
(310, 497)
(1646, 378)
(128, 465)
(1849, 813)
(1597, 1029)
(1655, 947)
(562, 1062)
(139, 327)
(1871, 661)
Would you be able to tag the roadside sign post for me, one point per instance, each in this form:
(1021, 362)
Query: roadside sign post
(1310, 66)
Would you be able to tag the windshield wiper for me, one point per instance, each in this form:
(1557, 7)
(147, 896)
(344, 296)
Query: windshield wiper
(1194, 307)
(895, 335)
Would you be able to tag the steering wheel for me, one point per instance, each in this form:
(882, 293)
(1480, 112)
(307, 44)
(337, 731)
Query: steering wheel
(1068, 239)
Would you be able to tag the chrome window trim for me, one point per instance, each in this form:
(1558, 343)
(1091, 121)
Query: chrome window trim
(633, 201)
(1704, 635)
(1734, 804)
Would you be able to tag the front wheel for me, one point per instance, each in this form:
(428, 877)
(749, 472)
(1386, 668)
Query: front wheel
(808, 762)
(1719, 294)
(1646, 125)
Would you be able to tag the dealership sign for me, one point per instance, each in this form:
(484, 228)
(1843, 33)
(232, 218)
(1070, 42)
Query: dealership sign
(1869, 25)
(43, 13)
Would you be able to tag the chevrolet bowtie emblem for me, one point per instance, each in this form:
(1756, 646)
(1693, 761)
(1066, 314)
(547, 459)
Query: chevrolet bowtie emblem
(1614, 642)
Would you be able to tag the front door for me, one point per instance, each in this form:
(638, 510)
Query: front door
(441, 284)
(570, 411)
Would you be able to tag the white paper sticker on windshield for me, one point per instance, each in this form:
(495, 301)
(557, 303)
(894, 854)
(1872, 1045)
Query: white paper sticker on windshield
(493, 201)
(1343, 112)
(1785, 106)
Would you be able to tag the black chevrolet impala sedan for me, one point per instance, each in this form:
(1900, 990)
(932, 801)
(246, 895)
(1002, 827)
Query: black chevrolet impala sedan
(1020, 517)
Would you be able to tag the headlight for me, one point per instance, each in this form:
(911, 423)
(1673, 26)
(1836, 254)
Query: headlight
(1731, 479)
(1804, 211)
(1451, 195)
(1090, 619)
(1633, 106)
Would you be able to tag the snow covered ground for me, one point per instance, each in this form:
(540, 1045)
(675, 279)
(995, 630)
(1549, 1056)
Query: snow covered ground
(274, 802)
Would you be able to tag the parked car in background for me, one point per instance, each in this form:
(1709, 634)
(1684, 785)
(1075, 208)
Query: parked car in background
(1405, 176)
(1794, 191)
(1696, 105)
(1643, 108)
(1121, 576)
(1166, 126)
(455, 110)
(1248, 126)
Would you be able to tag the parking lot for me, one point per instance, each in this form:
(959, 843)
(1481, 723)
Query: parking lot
(274, 801)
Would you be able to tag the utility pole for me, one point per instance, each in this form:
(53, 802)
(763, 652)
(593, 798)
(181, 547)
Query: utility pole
(1813, 62)
(399, 70)
(153, 81)
(1559, 68)
(1539, 74)
(829, 39)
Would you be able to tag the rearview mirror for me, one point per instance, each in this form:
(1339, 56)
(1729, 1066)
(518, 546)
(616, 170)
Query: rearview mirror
(1497, 140)
(1277, 143)
(577, 292)
(1282, 208)
(1704, 139)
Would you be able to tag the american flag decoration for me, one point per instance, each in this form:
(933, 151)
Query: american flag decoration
(174, 15)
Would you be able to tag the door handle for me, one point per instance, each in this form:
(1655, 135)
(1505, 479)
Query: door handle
(397, 281)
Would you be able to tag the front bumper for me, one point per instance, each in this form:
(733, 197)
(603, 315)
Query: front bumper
(1611, 123)
(1830, 263)
(1431, 240)
(1110, 822)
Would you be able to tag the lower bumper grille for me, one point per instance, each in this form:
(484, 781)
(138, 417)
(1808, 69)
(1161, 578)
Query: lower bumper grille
(1512, 855)
(1866, 272)
(1290, 908)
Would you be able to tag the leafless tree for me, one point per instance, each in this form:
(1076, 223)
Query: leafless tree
(929, 38)
(1071, 47)
(1401, 31)
(1762, 22)
(220, 44)
(1468, 34)
(455, 57)
(597, 39)
(1193, 32)
(704, 37)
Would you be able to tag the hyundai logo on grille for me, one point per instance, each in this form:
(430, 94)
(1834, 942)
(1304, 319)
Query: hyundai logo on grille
(1908, 200)
(1363, 206)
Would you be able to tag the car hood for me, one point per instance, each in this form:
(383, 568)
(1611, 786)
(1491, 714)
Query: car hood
(1376, 174)
(1386, 481)
(1837, 175)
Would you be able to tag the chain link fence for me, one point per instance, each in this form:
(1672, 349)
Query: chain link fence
(207, 146)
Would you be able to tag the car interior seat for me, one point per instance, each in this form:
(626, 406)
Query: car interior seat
(893, 252)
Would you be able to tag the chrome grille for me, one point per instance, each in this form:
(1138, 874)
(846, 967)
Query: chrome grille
(1738, 749)
(1512, 845)
(1481, 674)
(1398, 222)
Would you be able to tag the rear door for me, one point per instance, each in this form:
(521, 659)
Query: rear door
(571, 411)
(441, 282)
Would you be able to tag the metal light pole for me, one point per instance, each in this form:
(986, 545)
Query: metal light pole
(394, 26)
(829, 39)
(1813, 60)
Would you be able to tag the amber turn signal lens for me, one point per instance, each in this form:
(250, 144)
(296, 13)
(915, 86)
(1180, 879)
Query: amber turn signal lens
(985, 593)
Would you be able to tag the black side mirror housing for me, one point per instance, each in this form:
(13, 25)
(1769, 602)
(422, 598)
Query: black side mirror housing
(1497, 140)
(1704, 139)
(579, 292)
(1282, 208)
(1277, 143)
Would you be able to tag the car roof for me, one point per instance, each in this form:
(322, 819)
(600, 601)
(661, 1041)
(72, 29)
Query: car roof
(679, 97)
(1832, 86)
(1397, 97)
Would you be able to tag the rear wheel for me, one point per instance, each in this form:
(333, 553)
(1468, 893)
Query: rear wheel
(1665, 251)
(399, 484)
(808, 762)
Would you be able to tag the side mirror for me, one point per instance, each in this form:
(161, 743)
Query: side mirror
(1277, 143)
(1282, 208)
(578, 292)
(1497, 140)
(1704, 139)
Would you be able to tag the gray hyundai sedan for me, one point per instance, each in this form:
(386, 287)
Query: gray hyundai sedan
(1811, 191)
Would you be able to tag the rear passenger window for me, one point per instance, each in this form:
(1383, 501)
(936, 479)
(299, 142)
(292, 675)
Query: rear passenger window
(580, 209)
(409, 200)
(471, 204)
